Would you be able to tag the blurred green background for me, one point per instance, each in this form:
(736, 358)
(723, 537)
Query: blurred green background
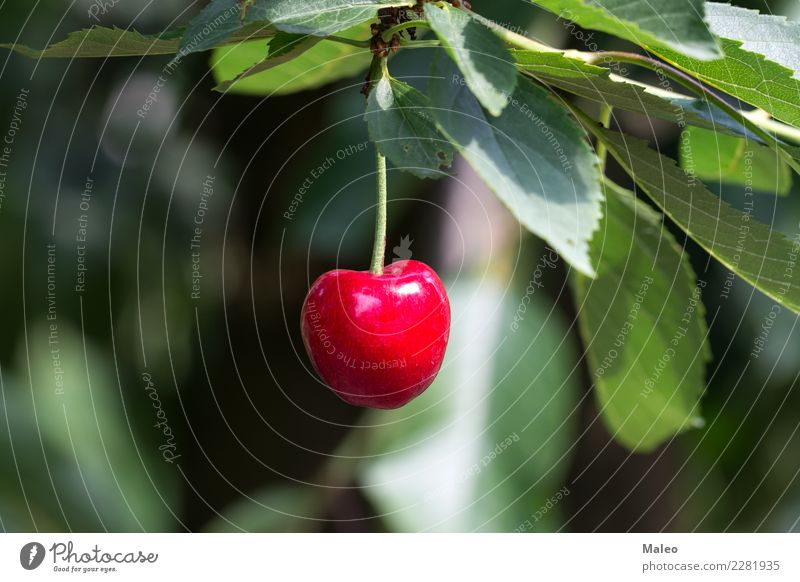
(139, 396)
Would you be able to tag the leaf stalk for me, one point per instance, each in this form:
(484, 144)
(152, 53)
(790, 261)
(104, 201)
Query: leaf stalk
(696, 87)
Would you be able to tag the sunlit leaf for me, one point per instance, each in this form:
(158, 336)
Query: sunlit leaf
(534, 157)
(559, 70)
(677, 24)
(306, 63)
(485, 63)
(222, 18)
(761, 61)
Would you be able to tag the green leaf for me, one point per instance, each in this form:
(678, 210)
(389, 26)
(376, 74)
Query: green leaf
(761, 60)
(559, 70)
(82, 419)
(281, 508)
(533, 156)
(642, 321)
(401, 125)
(213, 26)
(488, 444)
(773, 36)
(222, 18)
(320, 17)
(27, 501)
(312, 63)
(482, 57)
(285, 46)
(282, 48)
(717, 158)
(677, 24)
(99, 41)
(764, 258)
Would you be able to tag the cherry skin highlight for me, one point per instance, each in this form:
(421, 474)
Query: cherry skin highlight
(377, 340)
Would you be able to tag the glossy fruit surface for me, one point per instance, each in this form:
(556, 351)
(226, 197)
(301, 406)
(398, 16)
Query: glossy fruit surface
(377, 340)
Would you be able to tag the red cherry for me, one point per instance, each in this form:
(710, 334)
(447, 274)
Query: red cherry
(377, 340)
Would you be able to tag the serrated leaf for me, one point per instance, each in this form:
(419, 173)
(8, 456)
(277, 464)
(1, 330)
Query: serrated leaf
(321, 62)
(769, 82)
(320, 17)
(100, 41)
(489, 443)
(773, 36)
(677, 24)
(764, 258)
(642, 321)
(716, 158)
(482, 57)
(222, 18)
(557, 69)
(401, 125)
(217, 22)
(533, 156)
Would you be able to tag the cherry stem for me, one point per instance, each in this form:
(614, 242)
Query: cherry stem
(600, 149)
(390, 32)
(379, 250)
(350, 41)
